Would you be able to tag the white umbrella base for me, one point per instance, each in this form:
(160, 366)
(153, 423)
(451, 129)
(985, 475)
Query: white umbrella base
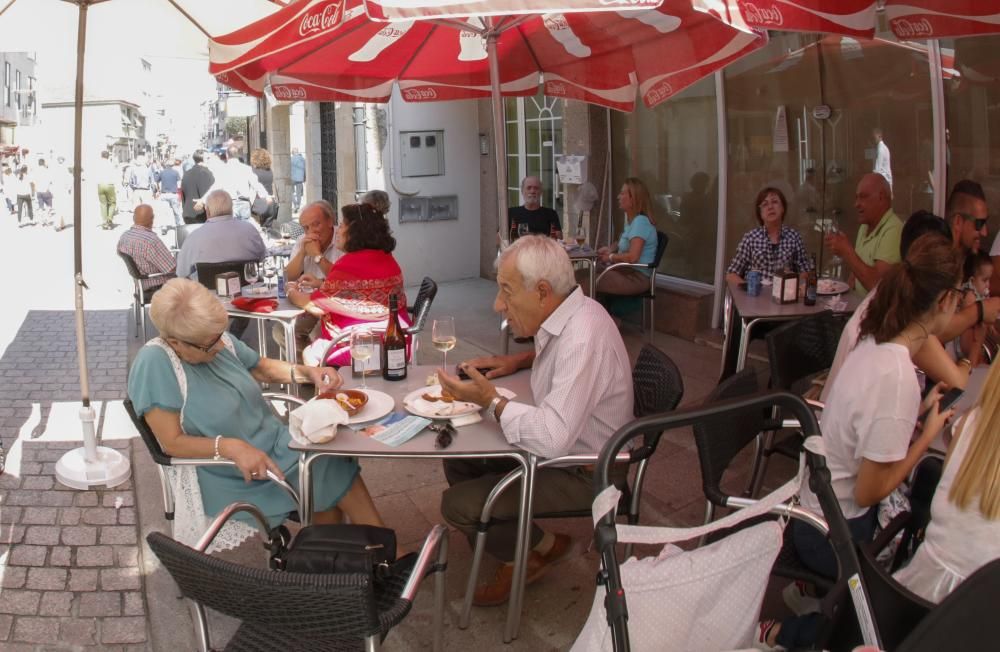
(109, 468)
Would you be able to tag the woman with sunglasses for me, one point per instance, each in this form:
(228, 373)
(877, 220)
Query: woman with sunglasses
(221, 413)
(357, 288)
(874, 411)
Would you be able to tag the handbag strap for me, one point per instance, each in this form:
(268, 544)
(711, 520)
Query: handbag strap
(606, 503)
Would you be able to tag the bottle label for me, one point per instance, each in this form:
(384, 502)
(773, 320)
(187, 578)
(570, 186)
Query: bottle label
(395, 365)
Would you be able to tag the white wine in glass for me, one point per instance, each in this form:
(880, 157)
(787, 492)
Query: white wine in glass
(362, 344)
(443, 336)
(581, 236)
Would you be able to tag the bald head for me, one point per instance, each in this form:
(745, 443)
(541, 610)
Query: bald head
(143, 215)
(872, 199)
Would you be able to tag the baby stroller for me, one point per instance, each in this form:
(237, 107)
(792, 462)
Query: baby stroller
(719, 587)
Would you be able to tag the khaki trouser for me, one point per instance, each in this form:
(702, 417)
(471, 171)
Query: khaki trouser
(624, 282)
(472, 480)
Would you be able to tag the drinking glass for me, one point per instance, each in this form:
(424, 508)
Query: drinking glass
(580, 235)
(270, 271)
(830, 227)
(362, 343)
(522, 230)
(251, 274)
(443, 336)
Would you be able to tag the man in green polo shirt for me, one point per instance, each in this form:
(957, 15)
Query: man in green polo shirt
(877, 246)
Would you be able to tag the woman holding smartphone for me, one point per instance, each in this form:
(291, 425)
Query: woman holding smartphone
(871, 415)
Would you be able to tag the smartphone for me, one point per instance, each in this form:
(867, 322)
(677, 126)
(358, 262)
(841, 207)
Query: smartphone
(464, 376)
(947, 399)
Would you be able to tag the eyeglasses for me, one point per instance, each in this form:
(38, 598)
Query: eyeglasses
(445, 434)
(980, 222)
(204, 349)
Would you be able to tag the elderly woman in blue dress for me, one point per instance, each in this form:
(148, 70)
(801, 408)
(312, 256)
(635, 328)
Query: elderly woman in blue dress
(222, 412)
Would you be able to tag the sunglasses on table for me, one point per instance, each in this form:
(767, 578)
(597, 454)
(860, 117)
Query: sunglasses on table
(979, 222)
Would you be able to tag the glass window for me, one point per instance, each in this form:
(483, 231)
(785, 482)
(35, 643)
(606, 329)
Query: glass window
(536, 124)
(673, 149)
(972, 101)
(803, 114)
(6, 83)
(17, 88)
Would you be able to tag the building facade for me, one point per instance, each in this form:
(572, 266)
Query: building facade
(18, 106)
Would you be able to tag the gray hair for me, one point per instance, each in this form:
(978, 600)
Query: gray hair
(218, 202)
(377, 198)
(326, 207)
(539, 258)
(186, 310)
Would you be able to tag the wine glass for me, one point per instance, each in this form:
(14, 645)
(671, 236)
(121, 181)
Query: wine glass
(270, 271)
(443, 336)
(580, 235)
(362, 343)
(251, 274)
(522, 230)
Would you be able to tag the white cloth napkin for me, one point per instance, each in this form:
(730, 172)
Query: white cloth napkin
(316, 422)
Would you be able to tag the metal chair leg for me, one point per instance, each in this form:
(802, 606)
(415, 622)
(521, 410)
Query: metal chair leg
(168, 494)
(439, 589)
(652, 317)
(470, 585)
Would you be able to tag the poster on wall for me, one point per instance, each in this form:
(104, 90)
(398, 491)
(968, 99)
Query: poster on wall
(779, 135)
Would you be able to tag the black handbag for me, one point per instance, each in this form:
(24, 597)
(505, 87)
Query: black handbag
(325, 549)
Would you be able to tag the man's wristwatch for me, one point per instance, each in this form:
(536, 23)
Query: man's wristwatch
(317, 258)
(491, 409)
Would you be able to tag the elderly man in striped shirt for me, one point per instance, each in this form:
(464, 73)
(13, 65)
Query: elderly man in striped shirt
(151, 256)
(582, 386)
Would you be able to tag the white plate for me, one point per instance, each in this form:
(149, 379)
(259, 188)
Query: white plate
(437, 409)
(830, 286)
(379, 404)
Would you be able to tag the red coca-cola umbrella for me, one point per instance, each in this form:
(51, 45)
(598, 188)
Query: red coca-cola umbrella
(332, 50)
(908, 19)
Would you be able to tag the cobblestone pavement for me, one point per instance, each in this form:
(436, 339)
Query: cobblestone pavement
(69, 560)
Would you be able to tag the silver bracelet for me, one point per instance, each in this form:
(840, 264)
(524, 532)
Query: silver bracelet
(491, 410)
(218, 455)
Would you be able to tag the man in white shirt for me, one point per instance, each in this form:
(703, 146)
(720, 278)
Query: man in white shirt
(582, 387)
(312, 257)
(883, 161)
(240, 182)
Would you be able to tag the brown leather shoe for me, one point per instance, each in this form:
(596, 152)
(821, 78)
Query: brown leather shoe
(497, 592)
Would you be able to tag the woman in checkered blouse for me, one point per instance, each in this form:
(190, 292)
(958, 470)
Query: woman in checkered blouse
(770, 247)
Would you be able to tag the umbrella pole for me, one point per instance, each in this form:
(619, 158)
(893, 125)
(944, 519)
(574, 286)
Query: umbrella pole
(499, 132)
(92, 465)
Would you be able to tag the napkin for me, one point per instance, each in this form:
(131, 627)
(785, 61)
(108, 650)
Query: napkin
(316, 422)
(255, 305)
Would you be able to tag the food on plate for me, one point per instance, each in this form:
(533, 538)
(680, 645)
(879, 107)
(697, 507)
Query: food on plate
(831, 286)
(351, 400)
(443, 397)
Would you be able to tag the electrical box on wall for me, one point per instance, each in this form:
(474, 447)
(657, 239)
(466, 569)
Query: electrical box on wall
(428, 209)
(422, 153)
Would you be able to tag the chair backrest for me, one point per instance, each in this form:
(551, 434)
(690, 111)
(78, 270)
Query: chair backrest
(926, 477)
(208, 271)
(804, 347)
(965, 620)
(133, 269)
(720, 438)
(657, 383)
(895, 609)
(422, 304)
(317, 608)
(148, 438)
(662, 239)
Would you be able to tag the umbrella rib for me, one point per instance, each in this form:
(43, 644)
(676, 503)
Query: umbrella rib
(7, 6)
(190, 18)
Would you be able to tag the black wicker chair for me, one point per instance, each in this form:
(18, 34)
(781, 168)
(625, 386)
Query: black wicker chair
(163, 460)
(300, 612)
(657, 387)
(719, 439)
(796, 352)
(208, 271)
(141, 297)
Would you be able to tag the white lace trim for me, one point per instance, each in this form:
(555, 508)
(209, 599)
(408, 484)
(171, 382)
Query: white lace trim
(190, 520)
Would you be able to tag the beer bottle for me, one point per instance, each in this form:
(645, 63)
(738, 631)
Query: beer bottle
(393, 345)
(811, 284)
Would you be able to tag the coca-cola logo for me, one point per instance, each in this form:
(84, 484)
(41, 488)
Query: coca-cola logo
(223, 77)
(557, 22)
(284, 92)
(391, 32)
(660, 92)
(418, 94)
(321, 21)
(906, 28)
(761, 15)
(555, 88)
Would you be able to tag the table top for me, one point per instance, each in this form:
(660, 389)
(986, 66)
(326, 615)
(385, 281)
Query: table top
(763, 306)
(483, 437)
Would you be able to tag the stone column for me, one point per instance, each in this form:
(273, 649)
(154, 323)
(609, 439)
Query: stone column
(279, 138)
(314, 155)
